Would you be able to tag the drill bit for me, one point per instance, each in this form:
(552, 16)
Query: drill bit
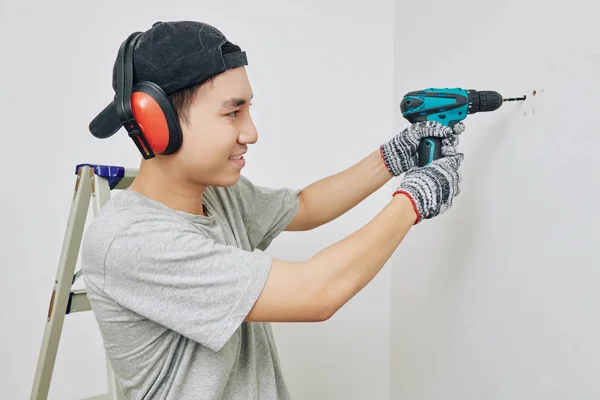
(515, 98)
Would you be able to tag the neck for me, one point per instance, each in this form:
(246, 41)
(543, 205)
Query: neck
(159, 181)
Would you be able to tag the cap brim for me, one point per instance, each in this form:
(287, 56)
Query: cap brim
(107, 123)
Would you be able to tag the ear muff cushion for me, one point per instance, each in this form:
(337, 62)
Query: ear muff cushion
(156, 117)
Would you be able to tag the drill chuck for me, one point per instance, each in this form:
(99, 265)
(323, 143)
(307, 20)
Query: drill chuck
(484, 100)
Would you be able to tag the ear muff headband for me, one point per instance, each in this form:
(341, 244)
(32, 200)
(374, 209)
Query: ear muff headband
(144, 109)
(124, 70)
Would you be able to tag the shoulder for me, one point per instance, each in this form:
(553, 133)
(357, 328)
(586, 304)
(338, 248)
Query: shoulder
(128, 219)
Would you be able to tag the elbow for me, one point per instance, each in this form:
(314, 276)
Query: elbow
(321, 296)
(324, 304)
(323, 312)
(328, 312)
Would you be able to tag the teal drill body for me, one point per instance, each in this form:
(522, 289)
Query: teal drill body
(446, 106)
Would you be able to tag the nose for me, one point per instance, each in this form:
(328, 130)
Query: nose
(248, 133)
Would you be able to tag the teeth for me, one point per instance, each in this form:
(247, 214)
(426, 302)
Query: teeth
(236, 157)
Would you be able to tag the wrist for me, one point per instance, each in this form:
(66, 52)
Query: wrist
(408, 204)
(384, 160)
(396, 158)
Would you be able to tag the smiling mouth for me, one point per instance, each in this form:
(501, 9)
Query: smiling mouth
(238, 160)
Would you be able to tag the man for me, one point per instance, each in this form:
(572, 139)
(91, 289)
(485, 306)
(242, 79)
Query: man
(176, 274)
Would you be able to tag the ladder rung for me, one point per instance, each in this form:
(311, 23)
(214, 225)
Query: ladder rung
(78, 301)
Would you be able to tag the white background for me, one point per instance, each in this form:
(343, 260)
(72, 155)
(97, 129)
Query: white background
(499, 298)
(322, 78)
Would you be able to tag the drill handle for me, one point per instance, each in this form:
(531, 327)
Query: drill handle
(429, 149)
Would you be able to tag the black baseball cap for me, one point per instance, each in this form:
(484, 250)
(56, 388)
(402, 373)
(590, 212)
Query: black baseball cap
(173, 55)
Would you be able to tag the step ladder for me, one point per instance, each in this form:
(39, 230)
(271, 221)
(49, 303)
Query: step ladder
(93, 183)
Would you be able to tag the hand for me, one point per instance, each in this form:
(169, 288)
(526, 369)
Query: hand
(450, 142)
(400, 153)
(433, 187)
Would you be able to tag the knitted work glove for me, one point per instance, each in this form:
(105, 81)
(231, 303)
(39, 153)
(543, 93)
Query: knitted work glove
(400, 153)
(433, 187)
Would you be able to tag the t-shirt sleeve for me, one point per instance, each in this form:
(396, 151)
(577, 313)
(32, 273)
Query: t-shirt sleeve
(266, 211)
(171, 273)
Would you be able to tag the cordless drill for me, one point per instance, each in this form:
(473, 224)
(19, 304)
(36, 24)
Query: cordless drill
(446, 106)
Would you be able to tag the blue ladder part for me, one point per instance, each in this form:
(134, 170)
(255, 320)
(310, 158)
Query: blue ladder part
(112, 173)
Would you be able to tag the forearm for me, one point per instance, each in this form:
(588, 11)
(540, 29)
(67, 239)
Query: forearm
(331, 197)
(313, 290)
(345, 268)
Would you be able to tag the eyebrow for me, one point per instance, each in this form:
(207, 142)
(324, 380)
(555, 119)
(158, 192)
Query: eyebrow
(234, 102)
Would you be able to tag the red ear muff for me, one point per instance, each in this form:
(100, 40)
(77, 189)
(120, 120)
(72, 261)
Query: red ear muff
(156, 118)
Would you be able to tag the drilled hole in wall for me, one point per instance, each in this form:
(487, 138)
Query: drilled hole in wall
(534, 93)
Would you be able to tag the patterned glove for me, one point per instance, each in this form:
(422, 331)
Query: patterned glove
(400, 153)
(432, 188)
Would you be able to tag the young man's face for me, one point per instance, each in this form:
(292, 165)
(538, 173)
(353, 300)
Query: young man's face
(219, 131)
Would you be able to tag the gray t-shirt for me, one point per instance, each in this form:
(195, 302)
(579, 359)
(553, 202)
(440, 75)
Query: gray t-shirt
(170, 291)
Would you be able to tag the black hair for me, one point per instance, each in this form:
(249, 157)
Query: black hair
(183, 99)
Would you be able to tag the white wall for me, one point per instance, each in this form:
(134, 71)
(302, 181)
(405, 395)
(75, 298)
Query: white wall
(321, 73)
(498, 299)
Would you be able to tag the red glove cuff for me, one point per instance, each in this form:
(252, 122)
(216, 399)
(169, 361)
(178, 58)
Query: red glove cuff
(414, 204)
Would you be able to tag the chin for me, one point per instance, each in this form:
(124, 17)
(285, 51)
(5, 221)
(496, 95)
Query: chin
(231, 181)
(226, 180)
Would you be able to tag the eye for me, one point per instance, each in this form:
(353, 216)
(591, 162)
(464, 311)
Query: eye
(233, 114)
